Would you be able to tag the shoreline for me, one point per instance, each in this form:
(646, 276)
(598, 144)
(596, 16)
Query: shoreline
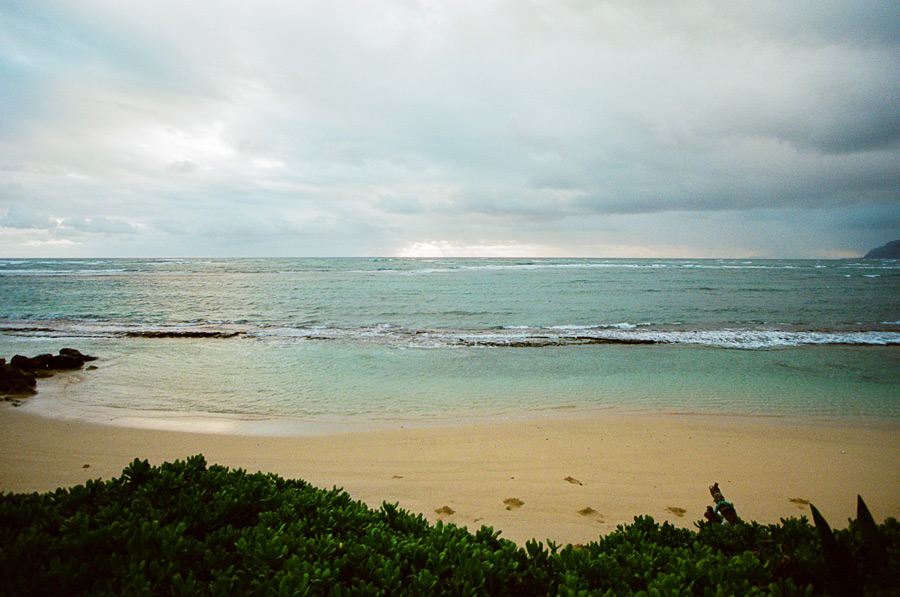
(52, 403)
(578, 475)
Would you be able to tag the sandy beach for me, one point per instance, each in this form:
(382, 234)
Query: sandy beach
(564, 478)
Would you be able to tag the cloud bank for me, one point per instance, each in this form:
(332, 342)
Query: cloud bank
(420, 128)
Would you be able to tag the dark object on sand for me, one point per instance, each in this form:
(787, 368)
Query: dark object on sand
(71, 352)
(15, 382)
(66, 360)
(17, 378)
(723, 509)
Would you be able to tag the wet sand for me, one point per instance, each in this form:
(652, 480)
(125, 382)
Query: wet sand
(564, 478)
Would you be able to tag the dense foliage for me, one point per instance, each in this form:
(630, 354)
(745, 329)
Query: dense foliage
(186, 528)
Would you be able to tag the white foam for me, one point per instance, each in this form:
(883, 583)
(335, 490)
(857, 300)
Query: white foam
(757, 339)
(406, 337)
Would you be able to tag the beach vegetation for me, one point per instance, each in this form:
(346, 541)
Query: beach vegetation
(189, 528)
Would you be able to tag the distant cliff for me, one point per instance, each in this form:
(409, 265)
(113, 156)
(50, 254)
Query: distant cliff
(888, 251)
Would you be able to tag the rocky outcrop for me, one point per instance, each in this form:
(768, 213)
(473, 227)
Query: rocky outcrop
(15, 382)
(66, 360)
(888, 251)
(18, 377)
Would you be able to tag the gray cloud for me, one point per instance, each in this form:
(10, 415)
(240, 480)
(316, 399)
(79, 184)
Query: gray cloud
(400, 205)
(100, 224)
(20, 216)
(363, 127)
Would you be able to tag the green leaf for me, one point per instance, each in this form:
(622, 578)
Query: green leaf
(872, 544)
(842, 574)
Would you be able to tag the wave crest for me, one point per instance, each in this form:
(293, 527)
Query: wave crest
(506, 337)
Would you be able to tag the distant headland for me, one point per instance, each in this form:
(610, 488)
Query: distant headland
(889, 251)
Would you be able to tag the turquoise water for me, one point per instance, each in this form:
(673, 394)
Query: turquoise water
(342, 340)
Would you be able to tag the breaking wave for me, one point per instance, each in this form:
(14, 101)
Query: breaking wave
(768, 337)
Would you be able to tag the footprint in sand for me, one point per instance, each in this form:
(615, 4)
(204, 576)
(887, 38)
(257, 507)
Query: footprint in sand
(513, 503)
(679, 512)
(591, 513)
(445, 511)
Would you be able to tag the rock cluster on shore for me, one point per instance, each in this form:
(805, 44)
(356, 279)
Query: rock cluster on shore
(18, 378)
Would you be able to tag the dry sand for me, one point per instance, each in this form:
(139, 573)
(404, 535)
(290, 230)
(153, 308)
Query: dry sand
(568, 479)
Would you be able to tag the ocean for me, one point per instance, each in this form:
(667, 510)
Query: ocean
(302, 345)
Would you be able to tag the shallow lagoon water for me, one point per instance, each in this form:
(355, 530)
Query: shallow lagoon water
(397, 341)
(327, 383)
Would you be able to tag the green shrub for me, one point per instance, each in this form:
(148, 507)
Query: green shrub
(185, 528)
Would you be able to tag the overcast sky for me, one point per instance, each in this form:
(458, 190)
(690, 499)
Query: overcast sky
(482, 127)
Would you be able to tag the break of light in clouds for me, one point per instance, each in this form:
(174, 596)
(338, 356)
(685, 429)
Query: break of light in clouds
(559, 128)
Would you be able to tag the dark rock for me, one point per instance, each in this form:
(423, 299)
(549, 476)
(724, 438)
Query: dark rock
(49, 362)
(23, 363)
(889, 251)
(71, 352)
(182, 334)
(18, 376)
(14, 381)
(63, 363)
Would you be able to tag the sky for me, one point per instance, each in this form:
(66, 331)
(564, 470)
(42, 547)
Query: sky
(486, 128)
